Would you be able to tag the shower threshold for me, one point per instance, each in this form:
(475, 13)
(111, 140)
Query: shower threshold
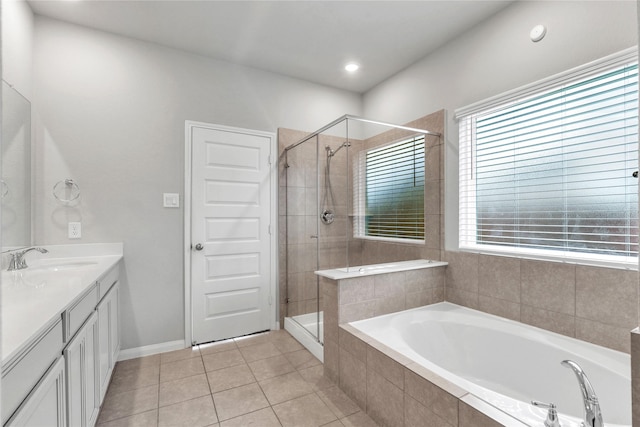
(303, 328)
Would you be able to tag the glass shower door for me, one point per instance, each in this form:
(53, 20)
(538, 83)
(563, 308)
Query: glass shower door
(302, 236)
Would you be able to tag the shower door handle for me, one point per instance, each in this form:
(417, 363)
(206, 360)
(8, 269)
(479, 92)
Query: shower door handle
(313, 236)
(199, 247)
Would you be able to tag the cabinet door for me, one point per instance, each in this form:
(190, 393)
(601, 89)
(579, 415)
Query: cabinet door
(108, 337)
(114, 325)
(82, 394)
(45, 406)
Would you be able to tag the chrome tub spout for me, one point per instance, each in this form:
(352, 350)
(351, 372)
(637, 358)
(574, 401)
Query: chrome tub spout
(592, 413)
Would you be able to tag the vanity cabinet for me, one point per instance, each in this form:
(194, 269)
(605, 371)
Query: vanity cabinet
(83, 398)
(109, 336)
(59, 377)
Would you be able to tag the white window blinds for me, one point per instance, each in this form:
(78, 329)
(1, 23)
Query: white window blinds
(391, 191)
(551, 174)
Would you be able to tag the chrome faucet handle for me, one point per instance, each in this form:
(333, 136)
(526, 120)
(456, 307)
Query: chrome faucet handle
(552, 415)
(14, 261)
(18, 261)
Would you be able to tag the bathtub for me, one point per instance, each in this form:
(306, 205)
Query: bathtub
(506, 363)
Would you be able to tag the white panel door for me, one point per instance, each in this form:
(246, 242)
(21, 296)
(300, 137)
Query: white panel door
(230, 233)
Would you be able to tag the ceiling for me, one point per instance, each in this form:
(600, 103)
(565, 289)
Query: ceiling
(309, 40)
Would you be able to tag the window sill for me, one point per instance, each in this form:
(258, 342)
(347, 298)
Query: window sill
(391, 240)
(586, 261)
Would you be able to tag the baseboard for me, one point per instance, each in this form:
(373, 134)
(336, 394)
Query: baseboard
(148, 350)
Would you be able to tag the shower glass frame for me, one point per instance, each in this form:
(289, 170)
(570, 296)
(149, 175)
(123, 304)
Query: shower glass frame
(328, 140)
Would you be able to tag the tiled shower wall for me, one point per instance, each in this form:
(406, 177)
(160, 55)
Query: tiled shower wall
(594, 304)
(299, 213)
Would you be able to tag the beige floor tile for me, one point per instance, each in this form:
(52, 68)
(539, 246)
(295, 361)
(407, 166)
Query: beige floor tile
(255, 352)
(262, 418)
(223, 359)
(129, 403)
(286, 343)
(134, 378)
(183, 389)
(254, 339)
(335, 423)
(138, 363)
(145, 419)
(359, 419)
(239, 401)
(304, 411)
(315, 377)
(235, 376)
(216, 347)
(181, 369)
(302, 359)
(285, 387)
(339, 403)
(198, 412)
(172, 356)
(272, 367)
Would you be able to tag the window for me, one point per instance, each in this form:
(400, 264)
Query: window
(390, 191)
(547, 171)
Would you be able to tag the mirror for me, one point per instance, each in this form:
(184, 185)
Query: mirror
(15, 186)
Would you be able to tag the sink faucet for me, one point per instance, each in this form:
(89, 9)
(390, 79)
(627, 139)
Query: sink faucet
(592, 413)
(18, 262)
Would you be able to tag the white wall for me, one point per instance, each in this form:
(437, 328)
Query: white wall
(497, 56)
(110, 114)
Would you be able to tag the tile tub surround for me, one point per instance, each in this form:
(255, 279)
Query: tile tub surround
(594, 304)
(264, 380)
(394, 391)
(358, 298)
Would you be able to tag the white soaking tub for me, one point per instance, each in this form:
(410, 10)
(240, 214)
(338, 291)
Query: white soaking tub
(507, 363)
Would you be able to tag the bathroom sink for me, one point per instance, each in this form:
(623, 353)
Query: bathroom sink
(63, 266)
(48, 273)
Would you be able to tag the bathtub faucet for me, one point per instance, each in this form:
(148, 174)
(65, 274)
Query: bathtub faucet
(592, 413)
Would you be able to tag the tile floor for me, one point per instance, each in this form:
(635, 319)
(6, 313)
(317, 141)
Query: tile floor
(263, 380)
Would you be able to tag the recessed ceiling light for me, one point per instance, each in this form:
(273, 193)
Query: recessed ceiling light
(351, 67)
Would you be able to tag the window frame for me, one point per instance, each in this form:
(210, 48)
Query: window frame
(466, 208)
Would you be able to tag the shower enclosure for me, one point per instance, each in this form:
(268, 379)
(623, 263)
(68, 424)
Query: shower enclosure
(323, 193)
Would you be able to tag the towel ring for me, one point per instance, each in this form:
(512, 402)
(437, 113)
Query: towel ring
(4, 189)
(66, 191)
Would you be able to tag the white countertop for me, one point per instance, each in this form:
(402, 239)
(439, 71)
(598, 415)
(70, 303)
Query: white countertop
(34, 298)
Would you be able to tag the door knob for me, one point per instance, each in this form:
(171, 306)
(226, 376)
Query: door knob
(199, 247)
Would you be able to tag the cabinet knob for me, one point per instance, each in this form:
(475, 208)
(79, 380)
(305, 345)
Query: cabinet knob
(199, 247)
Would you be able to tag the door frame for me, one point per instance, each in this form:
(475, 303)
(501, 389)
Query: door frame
(273, 199)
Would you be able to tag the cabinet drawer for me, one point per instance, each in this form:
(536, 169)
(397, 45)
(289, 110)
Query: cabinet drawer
(23, 374)
(79, 312)
(107, 281)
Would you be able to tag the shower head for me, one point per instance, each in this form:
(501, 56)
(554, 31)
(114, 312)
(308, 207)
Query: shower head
(331, 153)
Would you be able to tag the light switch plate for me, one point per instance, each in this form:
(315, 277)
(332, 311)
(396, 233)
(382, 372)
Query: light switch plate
(171, 200)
